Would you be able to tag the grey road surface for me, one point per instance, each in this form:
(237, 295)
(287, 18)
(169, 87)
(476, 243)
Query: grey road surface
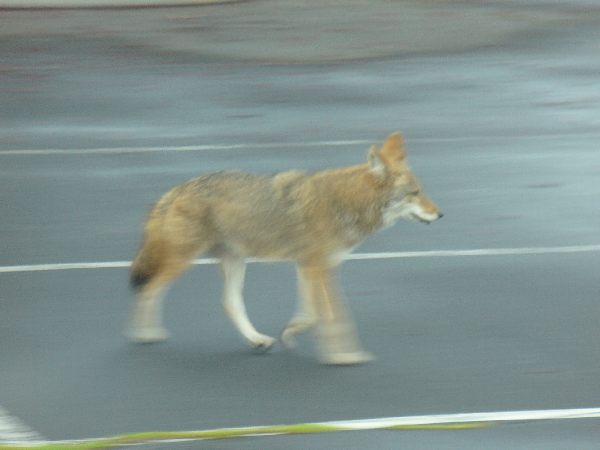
(104, 110)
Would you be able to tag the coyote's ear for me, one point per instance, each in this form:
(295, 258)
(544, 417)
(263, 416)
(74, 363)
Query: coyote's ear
(375, 163)
(393, 152)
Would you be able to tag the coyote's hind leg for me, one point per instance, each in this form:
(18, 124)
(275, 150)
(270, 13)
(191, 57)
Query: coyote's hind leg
(234, 270)
(146, 322)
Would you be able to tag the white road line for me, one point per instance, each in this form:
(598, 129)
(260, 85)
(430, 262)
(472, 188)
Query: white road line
(282, 145)
(503, 416)
(64, 266)
(520, 251)
(82, 4)
(406, 422)
(185, 148)
(14, 430)
(479, 252)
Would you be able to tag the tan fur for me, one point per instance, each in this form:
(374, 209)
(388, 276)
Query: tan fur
(310, 218)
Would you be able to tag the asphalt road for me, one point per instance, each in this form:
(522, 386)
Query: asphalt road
(502, 129)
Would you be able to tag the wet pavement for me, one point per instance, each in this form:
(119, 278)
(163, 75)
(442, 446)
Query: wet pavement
(500, 107)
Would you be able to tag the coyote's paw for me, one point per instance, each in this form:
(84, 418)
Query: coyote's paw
(299, 324)
(147, 335)
(288, 338)
(346, 358)
(262, 343)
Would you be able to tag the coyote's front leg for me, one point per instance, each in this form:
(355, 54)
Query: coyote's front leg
(305, 316)
(336, 335)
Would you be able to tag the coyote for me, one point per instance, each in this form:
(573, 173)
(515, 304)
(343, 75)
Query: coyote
(313, 219)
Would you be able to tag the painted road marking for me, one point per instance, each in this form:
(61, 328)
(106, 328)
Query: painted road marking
(430, 422)
(184, 148)
(13, 429)
(519, 251)
(276, 145)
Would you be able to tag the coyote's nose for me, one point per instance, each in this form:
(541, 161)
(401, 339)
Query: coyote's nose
(440, 215)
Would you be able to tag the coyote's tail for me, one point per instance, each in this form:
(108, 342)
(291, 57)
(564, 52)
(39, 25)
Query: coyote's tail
(145, 265)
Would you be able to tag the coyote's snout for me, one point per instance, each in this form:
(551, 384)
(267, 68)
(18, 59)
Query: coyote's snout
(310, 218)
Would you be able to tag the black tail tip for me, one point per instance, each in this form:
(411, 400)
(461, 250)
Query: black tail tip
(137, 280)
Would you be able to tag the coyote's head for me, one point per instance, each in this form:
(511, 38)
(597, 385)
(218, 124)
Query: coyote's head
(405, 199)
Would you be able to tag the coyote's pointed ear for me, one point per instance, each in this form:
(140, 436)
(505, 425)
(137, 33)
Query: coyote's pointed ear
(375, 163)
(393, 152)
